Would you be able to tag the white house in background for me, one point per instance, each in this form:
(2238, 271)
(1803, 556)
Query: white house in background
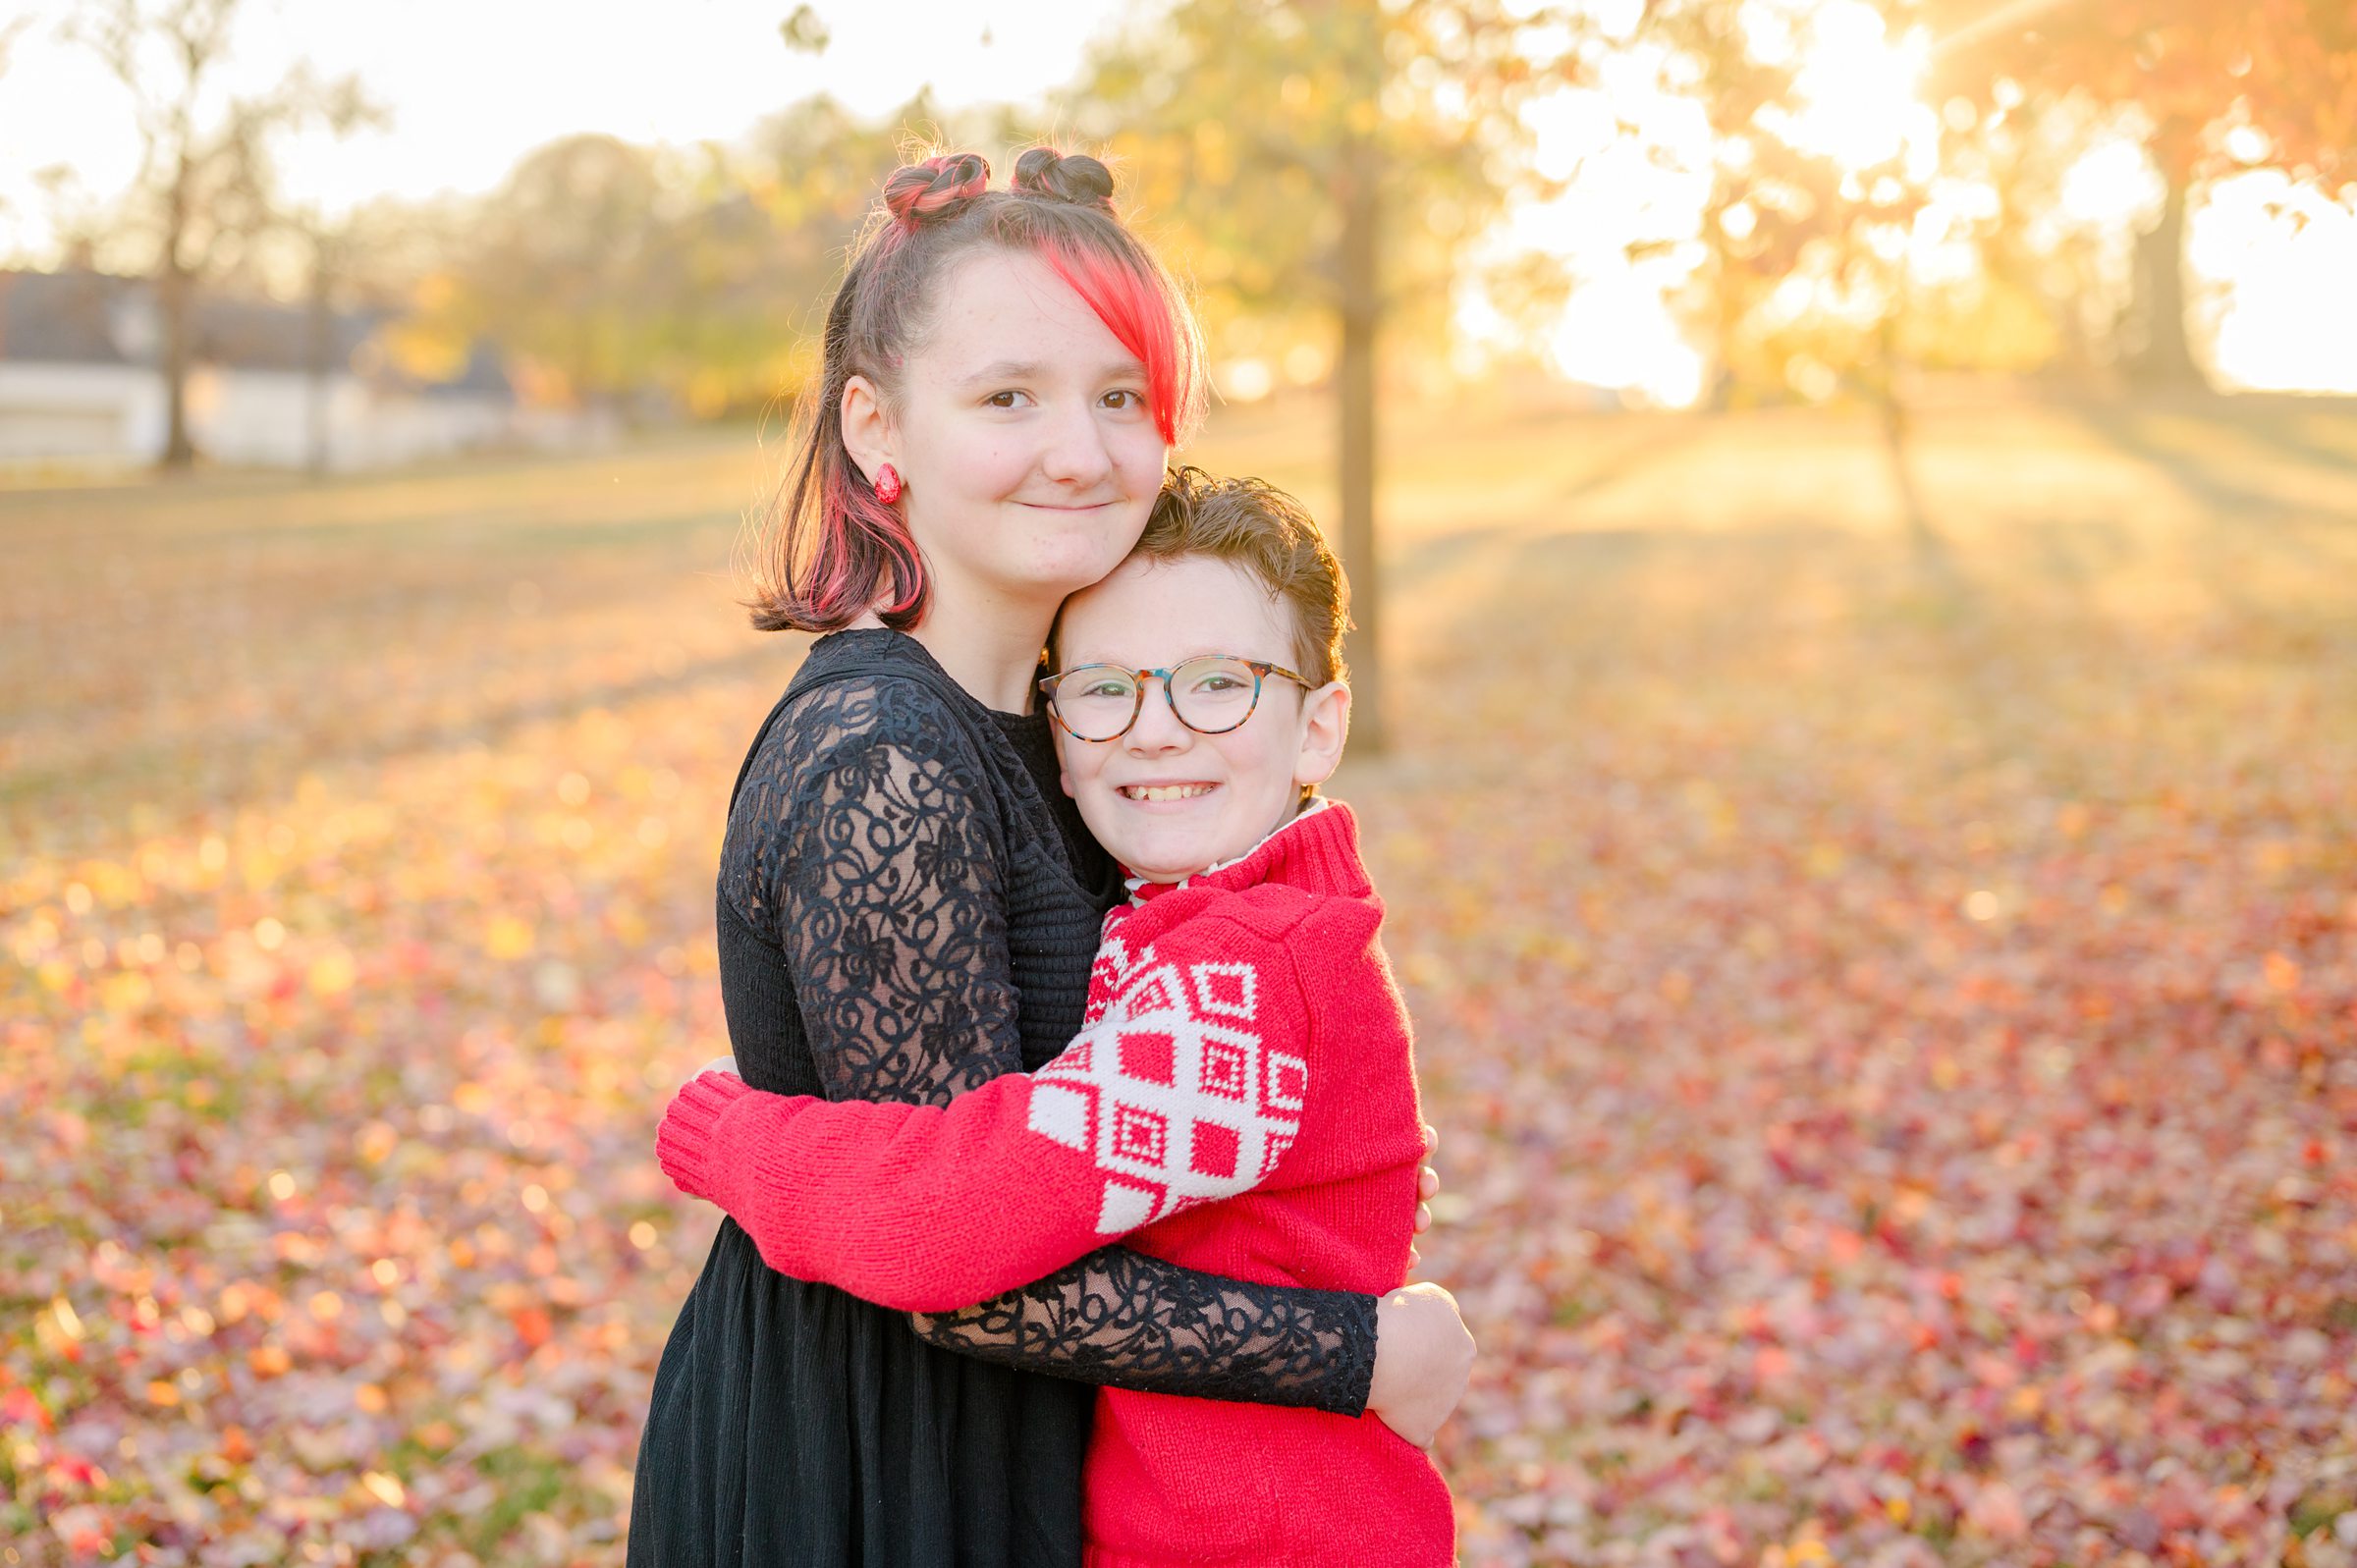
(79, 384)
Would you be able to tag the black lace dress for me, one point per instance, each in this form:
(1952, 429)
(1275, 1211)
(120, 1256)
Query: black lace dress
(908, 906)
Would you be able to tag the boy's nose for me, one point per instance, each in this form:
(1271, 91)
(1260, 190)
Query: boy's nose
(1158, 728)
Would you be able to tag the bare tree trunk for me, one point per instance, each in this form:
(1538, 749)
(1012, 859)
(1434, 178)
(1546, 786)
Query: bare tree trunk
(1726, 312)
(316, 359)
(173, 288)
(1361, 302)
(180, 452)
(2161, 352)
(1888, 398)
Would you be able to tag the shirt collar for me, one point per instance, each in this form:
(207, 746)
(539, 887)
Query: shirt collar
(1141, 890)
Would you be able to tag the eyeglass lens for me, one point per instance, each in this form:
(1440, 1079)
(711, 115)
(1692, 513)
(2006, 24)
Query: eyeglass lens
(1210, 694)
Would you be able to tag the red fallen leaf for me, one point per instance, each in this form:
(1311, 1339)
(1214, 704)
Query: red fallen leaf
(1997, 1511)
(532, 1326)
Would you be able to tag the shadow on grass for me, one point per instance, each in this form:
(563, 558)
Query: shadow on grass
(2121, 426)
(1935, 562)
(2267, 419)
(250, 767)
(1653, 440)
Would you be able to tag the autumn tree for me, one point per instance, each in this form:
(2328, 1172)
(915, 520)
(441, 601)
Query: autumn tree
(612, 268)
(2186, 67)
(1330, 163)
(204, 185)
(10, 31)
(701, 273)
(1761, 201)
(813, 173)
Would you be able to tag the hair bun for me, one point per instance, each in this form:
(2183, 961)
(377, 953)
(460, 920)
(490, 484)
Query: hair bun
(1076, 177)
(938, 187)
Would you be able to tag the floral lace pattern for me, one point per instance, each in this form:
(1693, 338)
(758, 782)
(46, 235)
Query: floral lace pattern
(1129, 1320)
(868, 844)
(867, 858)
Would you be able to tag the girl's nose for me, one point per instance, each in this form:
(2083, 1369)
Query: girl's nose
(1076, 452)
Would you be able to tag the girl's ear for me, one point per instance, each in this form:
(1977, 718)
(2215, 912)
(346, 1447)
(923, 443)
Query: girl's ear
(866, 428)
(1325, 726)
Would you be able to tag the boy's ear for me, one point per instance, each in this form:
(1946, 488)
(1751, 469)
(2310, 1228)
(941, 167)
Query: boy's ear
(866, 426)
(1325, 726)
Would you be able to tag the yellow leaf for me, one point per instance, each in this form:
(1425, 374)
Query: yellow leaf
(333, 973)
(509, 938)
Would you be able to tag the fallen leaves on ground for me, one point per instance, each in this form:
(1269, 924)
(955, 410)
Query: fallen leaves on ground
(1888, 987)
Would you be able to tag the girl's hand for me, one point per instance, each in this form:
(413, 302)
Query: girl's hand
(1428, 1186)
(1423, 1358)
(728, 1064)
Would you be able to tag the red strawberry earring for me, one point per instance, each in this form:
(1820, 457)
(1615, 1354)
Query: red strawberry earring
(888, 484)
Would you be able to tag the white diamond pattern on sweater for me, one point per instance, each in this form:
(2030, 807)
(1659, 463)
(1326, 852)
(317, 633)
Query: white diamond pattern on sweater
(1172, 1090)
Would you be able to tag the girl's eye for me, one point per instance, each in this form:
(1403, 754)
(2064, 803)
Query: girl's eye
(1001, 400)
(1125, 398)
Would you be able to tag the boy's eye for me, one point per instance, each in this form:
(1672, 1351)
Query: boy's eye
(1001, 400)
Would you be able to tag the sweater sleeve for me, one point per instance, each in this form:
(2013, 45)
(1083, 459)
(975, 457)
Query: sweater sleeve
(1189, 1088)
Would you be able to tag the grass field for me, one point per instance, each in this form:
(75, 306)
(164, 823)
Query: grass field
(1883, 935)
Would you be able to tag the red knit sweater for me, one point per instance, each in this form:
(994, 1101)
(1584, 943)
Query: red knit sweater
(1241, 1101)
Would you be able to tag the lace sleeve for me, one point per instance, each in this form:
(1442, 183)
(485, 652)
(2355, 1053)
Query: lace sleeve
(1123, 1320)
(882, 889)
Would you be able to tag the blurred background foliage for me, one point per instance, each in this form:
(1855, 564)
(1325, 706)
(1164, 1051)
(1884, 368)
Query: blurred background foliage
(1811, 199)
(1829, 190)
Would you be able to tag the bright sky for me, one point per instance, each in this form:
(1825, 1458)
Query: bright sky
(475, 83)
(472, 85)
(2269, 261)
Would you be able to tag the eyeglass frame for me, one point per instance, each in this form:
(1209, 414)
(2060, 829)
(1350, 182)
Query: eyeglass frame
(1261, 669)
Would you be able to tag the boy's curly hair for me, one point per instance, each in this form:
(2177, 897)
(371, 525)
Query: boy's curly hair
(1253, 524)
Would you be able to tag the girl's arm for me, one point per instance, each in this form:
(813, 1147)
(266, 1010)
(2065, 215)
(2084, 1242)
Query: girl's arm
(1129, 1319)
(1404, 1358)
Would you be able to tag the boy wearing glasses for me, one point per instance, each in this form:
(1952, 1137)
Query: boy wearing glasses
(1241, 1098)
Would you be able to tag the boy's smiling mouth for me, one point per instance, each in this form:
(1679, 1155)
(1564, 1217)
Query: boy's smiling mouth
(1165, 791)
